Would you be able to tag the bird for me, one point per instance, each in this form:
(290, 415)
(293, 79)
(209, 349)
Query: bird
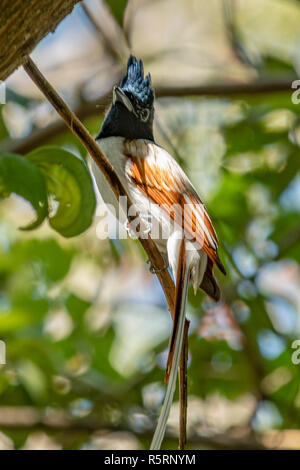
(165, 201)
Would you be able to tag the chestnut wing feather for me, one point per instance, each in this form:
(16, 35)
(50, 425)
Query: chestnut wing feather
(173, 191)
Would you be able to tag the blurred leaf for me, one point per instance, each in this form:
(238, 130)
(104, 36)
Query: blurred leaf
(279, 180)
(52, 262)
(19, 176)
(117, 8)
(3, 131)
(249, 135)
(23, 311)
(116, 249)
(102, 347)
(13, 95)
(77, 306)
(275, 64)
(33, 379)
(286, 234)
(55, 261)
(230, 208)
(15, 319)
(70, 183)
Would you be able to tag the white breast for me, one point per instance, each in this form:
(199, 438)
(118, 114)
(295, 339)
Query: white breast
(113, 148)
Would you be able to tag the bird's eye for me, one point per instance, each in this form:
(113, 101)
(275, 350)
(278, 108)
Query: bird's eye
(144, 114)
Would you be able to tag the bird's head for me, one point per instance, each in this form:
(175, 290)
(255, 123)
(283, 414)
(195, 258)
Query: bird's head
(132, 111)
(135, 92)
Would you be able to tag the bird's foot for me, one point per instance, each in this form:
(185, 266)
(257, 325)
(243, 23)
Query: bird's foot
(130, 230)
(140, 227)
(154, 270)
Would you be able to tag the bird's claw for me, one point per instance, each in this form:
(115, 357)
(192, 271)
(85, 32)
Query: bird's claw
(134, 231)
(154, 270)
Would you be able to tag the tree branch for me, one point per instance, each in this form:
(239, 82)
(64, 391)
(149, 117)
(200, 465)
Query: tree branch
(183, 387)
(111, 47)
(23, 25)
(31, 419)
(91, 108)
(229, 89)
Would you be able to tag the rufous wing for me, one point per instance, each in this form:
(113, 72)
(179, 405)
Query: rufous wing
(175, 194)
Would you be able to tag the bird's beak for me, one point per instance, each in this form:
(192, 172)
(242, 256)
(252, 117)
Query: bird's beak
(119, 95)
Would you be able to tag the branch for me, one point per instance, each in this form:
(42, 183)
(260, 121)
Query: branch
(109, 45)
(40, 136)
(91, 108)
(30, 419)
(183, 387)
(229, 89)
(23, 25)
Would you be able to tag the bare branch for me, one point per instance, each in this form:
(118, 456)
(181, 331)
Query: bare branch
(92, 108)
(109, 45)
(229, 89)
(183, 387)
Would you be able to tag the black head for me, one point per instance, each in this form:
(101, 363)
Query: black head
(131, 113)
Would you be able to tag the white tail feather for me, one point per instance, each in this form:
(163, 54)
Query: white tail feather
(165, 410)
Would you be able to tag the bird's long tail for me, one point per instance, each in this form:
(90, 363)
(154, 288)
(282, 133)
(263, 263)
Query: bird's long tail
(175, 347)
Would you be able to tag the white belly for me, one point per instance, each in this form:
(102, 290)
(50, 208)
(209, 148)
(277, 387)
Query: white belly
(110, 147)
(113, 147)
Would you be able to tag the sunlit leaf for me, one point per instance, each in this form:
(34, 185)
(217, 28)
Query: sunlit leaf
(19, 176)
(70, 183)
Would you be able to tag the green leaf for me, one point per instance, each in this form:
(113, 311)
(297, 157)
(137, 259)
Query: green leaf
(117, 8)
(3, 131)
(53, 259)
(33, 380)
(77, 306)
(249, 135)
(19, 176)
(69, 181)
(13, 95)
(276, 64)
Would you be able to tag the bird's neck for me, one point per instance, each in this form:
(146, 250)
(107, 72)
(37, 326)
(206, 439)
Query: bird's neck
(119, 122)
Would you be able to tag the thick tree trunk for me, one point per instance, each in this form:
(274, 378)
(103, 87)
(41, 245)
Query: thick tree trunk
(23, 23)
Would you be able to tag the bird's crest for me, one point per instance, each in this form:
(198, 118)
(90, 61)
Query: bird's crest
(135, 83)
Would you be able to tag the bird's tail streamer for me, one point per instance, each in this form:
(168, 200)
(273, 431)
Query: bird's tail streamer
(182, 279)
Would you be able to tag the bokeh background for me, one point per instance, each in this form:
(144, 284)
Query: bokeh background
(85, 323)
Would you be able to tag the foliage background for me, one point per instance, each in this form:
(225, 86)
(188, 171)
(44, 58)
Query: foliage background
(85, 323)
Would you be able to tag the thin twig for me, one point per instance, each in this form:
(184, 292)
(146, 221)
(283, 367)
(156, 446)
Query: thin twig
(183, 387)
(165, 136)
(239, 51)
